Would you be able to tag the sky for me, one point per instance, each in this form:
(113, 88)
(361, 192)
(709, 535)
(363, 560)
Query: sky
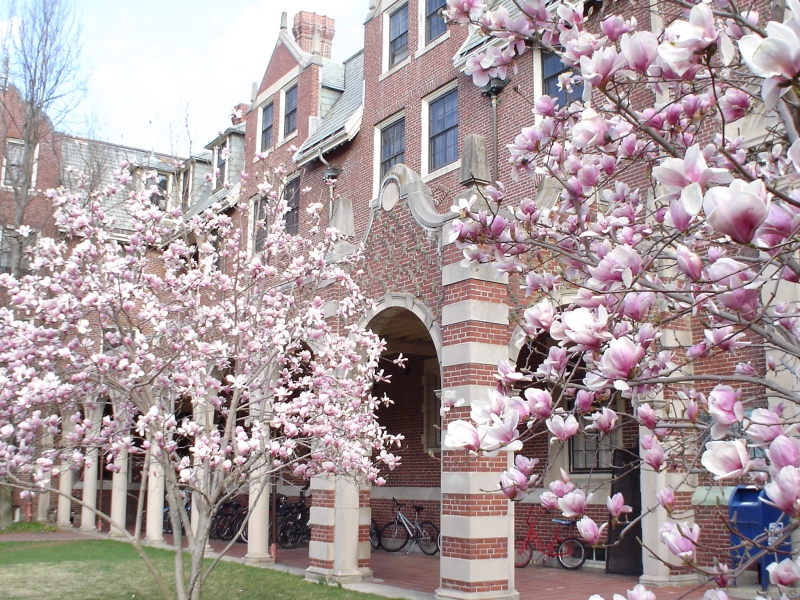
(164, 75)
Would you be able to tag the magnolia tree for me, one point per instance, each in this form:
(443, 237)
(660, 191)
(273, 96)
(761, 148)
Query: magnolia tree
(221, 365)
(673, 246)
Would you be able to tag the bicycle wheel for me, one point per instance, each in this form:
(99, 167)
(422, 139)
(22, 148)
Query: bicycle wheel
(374, 535)
(290, 535)
(428, 538)
(522, 553)
(394, 536)
(571, 554)
(225, 528)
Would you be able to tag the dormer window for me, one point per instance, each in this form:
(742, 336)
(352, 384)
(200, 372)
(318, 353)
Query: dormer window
(222, 164)
(158, 184)
(398, 36)
(290, 112)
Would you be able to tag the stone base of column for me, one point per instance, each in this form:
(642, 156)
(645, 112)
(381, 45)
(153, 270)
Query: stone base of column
(116, 534)
(669, 580)
(448, 594)
(329, 576)
(259, 559)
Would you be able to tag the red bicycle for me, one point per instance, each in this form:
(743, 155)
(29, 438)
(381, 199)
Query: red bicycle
(568, 550)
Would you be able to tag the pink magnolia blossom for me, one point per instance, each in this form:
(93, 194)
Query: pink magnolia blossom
(783, 452)
(784, 490)
(620, 358)
(727, 459)
(763, 426)
(716, 594)
(639, 592)
(590, 532)
(515, 484)
(737, 210)
(647, 416)
(540, 402)
(689, 262)
(680, 539)
(725, 407)
(461, 435)
(604, 420)
(666, 498)
(734, 104)
(464, 11)
(549, 500)
(573, 504)
(640, 50)
(616, 505)
(776, 58)
(785, 573)
(562, 428)
(654, 456)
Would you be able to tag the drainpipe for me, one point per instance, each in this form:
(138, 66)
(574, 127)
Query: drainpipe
(493, 90)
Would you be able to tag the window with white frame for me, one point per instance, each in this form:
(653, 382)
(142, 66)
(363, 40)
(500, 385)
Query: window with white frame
(222, 164)
(266, 127)
(443, 131)
(261, 223)
(393, 145)
(434, 23)
(291, 193)
(290, 111)
(7, 238)
(398, 36)
(14, 163)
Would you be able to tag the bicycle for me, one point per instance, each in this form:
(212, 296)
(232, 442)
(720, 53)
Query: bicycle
(374, 535)
(293, 524)
(397, 532)
(568, 550)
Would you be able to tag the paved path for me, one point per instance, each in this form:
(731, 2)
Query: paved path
(416, 576)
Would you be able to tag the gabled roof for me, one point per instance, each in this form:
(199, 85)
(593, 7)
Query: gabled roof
(239, 128)
(343, 121)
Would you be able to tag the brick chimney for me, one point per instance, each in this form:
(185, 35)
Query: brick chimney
(313, 33)
(238, 112)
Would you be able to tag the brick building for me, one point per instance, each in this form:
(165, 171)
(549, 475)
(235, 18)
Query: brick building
(389, 139)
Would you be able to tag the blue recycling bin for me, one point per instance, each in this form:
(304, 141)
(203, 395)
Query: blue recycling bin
(756, 520)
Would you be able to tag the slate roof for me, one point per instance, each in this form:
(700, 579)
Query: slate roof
(333, 126)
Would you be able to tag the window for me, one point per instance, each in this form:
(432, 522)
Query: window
(393, 145)
(443, 131)
(222, 162)
(590, 452)
(7, 237)
(266, 128)
(261, 224)
(552, 67)
(432, 402)
(291, 193)
(15, 158)
(186, 188)
(290, 113)
(158, 183)
(398, 36)
(434, 23)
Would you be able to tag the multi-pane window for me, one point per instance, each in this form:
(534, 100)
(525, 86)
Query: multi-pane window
(443, 130)
(186, 188)
(398, 36)
(15, 156)
(261, 224)
(266, 127)
(393, 145)
(157, 183)
(222, 162)
(290, 113)
(434, 23)
(7, 239)
(291, 194)
(590, 452)
(552, 67)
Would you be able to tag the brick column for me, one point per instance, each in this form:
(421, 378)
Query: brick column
(339, 550)
(477, 525)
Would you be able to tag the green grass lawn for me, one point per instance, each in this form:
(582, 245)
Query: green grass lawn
(108, 570)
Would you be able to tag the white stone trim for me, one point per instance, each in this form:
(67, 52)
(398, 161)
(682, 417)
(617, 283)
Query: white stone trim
(262, 98)
(410, 303)
(469, 393)
(476, 353)
(475, 310)
(460, 482)
(472, 571)
(456, 273)
(322, 515)
(320, 550)
(474, 528)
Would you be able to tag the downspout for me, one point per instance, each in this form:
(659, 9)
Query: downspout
(493, 90)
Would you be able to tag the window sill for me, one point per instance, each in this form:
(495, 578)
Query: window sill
(431, 45)
(453, 166)
(288, 138)
(395, 68)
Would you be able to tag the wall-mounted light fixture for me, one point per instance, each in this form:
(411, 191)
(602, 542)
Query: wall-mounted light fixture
(331, 175)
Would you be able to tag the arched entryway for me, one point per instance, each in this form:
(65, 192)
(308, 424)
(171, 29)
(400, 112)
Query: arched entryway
(414, 388)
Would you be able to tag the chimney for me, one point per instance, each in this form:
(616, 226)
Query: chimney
(313, 33)
(238, 112)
